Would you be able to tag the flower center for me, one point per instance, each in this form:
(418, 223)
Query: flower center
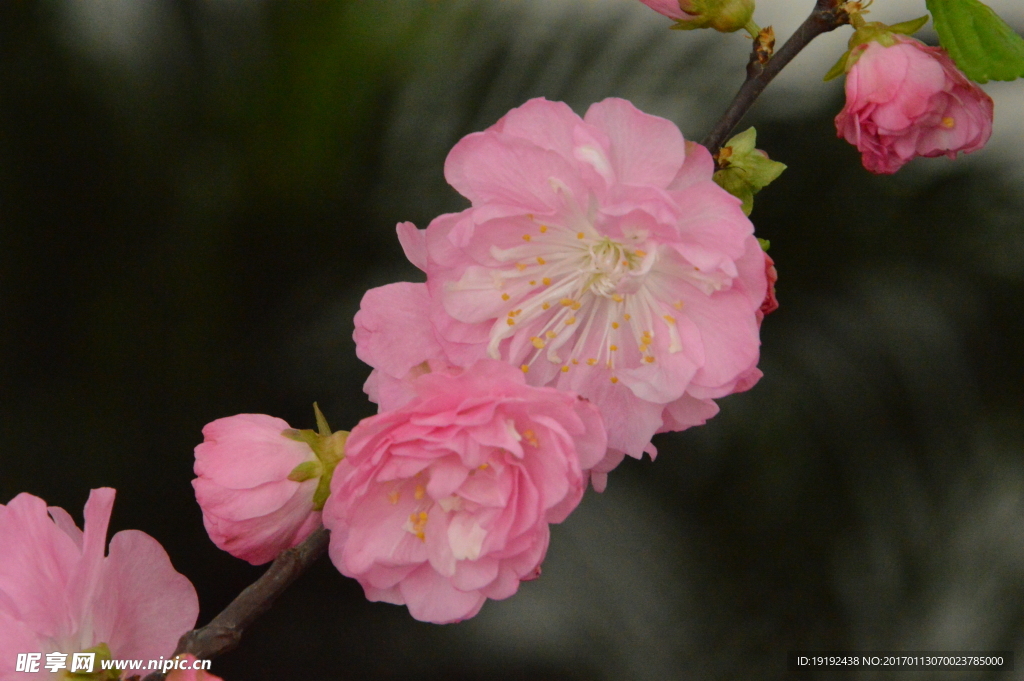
(580, 298)
(607, 262)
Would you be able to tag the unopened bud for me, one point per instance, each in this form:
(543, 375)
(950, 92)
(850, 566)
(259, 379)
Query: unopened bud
(722, 15)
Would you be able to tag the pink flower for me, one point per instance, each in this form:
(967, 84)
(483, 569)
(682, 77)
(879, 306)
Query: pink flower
(911, 100)
(446, 501)
(598, 256)
(191, 674)
(253, 506)
(59, 593)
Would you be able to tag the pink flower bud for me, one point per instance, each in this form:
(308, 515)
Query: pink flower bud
(62, 588)
(253, 507)
(446, 501)
(910, 100)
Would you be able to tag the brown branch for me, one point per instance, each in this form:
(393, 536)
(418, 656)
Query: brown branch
(826, 16)
(224, 632)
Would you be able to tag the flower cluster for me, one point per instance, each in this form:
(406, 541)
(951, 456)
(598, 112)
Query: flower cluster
(600, 289)
(598, 256)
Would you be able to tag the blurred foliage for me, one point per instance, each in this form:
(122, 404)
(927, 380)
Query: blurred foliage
(193, 202)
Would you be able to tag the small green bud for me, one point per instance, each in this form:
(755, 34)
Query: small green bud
(722, 15)
(745, 170)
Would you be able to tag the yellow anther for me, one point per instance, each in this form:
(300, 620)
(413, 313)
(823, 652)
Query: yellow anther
(520, 266)
(678, 305)
(419, 492)
(537, 342)
(566, 301)
(525, 368)
(546, 281)
(505, 296)
(540, 260)
(642, 347)
(627, 317)
(649, 359)
(545, 306)
(575, 361)
(510, 321)
(948, 122)
(531, 437)
(625, 263)
(640, 253)
(613, 348)
(570, 321)
(615, 325)
(543, 228)
(526, 237)
(565, 369)
(484, 466)
(614, 380)
(516, 313)
(533, 282)
(550, 334)
(591, 361)
(670, 319)
(617, 297)
(394, 496)
(579, 235)
(576, 305)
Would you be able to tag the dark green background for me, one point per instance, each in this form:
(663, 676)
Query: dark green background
(194, 196)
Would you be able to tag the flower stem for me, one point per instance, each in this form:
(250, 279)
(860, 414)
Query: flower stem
(826, 16)
(753, 29)
(224, 631)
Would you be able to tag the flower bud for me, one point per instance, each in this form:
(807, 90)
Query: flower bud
(262, 484)
(722, 15)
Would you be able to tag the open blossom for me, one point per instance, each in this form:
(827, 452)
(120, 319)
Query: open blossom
(253, 506)
(598, 257)
(60, 593)
(446, 501)
(911, 100)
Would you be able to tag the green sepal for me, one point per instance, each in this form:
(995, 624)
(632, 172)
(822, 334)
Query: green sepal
(983, 46)
(909, 27)
(329, 449)
(98, 673)
(307, 470)
(765, 244)
(744, 169)
(321, 421)
(839, 68)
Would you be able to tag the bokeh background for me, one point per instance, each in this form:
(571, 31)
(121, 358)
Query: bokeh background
(195, 195)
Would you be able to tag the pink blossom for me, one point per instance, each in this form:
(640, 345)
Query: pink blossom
(598, 256)
(191, 674)
(60, 593)
(910, 100)
(670, 8)
(446, 501)
(251, 507)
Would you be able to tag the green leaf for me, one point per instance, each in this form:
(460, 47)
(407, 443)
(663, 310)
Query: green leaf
(980, 43)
